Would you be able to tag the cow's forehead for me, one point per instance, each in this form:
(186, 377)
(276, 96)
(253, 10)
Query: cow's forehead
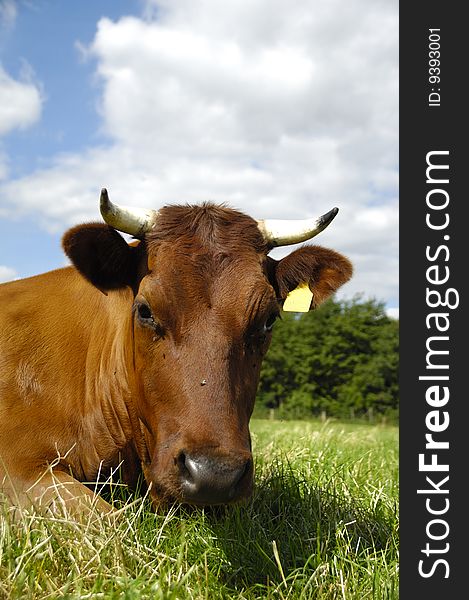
(193, 276)
(207, 228)
(198, 245)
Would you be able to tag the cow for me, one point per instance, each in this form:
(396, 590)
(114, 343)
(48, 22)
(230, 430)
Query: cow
(143, 357)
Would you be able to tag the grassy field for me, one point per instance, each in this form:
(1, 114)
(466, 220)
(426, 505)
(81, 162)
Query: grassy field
(323, 523)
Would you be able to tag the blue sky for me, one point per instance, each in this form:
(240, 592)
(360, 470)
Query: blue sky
(280, 109)
(46, 37)
(44, 41)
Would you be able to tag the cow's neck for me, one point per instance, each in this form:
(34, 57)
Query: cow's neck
(110, 385)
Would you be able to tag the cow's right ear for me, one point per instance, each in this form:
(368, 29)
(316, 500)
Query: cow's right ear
(101, 255)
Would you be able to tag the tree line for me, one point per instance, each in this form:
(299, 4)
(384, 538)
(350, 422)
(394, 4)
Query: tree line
(340, 360)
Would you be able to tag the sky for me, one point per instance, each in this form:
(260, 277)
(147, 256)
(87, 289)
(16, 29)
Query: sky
(279, 108)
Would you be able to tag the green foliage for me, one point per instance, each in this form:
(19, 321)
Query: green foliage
(341, 359)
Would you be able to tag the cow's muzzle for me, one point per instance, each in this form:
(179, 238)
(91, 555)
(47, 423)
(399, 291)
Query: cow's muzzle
(207, 480)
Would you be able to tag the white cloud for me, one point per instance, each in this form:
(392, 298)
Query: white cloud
(20, 103)
(3, 165)
(8, 12)
(393, 313)
(6, 273)
(282, 109)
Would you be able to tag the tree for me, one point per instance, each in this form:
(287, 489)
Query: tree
(341, 358)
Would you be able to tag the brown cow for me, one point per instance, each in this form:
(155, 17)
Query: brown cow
(147, 356)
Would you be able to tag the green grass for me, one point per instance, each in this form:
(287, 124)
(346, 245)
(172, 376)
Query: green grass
(322, 523)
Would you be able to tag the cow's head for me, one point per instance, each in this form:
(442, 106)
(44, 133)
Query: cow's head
(206, 296)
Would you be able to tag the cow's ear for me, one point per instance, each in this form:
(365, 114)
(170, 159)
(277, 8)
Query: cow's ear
(322, 269)
(101, 255)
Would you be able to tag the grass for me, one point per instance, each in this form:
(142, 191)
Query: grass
(322, 524)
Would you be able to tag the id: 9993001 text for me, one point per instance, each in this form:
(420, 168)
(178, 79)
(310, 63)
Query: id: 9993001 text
(434, 70)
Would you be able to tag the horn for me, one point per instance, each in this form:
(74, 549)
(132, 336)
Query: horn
(135, 221)
(282, 233)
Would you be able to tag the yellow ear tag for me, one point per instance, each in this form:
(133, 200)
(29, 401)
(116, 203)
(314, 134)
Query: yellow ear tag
(299, 299)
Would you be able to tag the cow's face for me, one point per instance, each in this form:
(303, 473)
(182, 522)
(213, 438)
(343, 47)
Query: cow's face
(206, 297)
(203, 317)
(203, 324)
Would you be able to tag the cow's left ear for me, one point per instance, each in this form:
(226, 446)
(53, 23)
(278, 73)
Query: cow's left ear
(101, 255)
(322, 269)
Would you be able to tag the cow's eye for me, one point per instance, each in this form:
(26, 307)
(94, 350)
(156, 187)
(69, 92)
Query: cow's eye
(268, 325)
(146, 318)
(144, 314)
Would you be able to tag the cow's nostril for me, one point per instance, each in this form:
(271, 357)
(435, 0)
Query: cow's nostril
(183, 470)
(181, 462)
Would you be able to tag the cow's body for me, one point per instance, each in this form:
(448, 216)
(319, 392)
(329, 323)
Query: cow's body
(62, 362)
(150, 360)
